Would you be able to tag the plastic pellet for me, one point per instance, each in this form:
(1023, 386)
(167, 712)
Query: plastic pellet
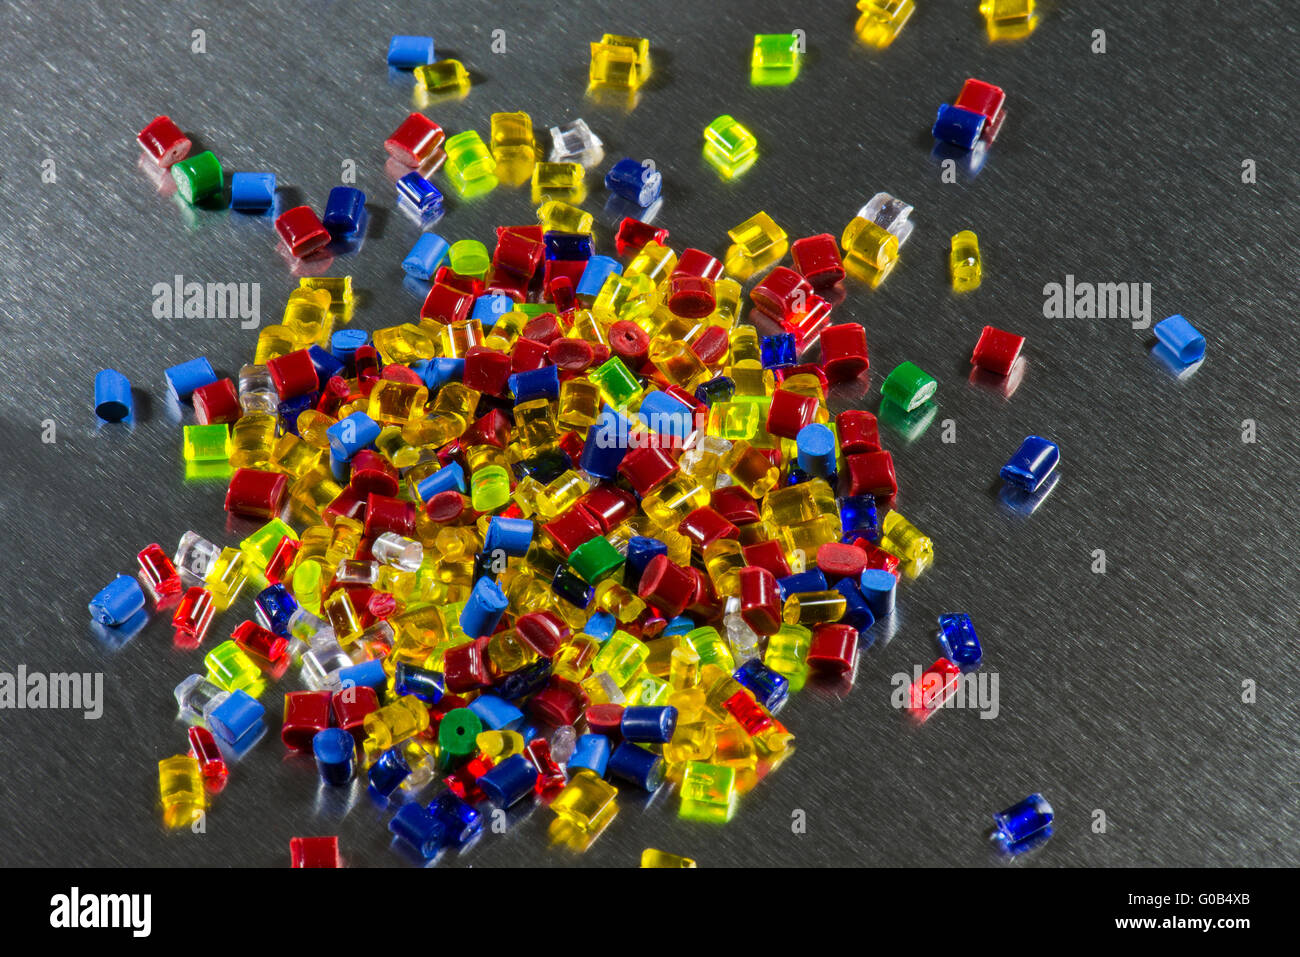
(112, 396)
(619, 62)
(908, 387)
(958, 640)
(302, 231)
(252, 192)
(408, 52)
(997, 351)
(651, 857)
(443, 76)
(1031, 464)
(1174, 333)
(314, 852)
(180, 787)
(1025, 823)
(335, 752)
(964, 263)
(636, 181)
(1009, 19)
(470, 164)
(882, 20)
(878, 588)
(345, 211)
(238, 720)
(203, 748)
(729, 147)
(198, 178)
(422, 196)
(163, 142)
(776, 59)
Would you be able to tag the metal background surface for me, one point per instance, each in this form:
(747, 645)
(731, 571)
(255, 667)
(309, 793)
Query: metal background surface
(1119, 692)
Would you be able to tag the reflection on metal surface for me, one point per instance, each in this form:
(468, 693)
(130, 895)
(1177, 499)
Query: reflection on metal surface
(1003, 385)
(908, 426)
(1169, 361)
(1022, 503)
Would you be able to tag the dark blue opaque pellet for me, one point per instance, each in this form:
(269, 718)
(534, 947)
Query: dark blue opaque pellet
(525, 681)
(606, 445)
(117, 601)
(1022, 821)
(275, 606)
(420, 193)
(461, 821)
(335, 751)
(1032, 463)
(568, 247)
(591, 752)
(420, 829)
(510, 781)
(859, 517)
(651, 724)
(778, 350)
(812, 580)
(635, 181)
(770, 688)
(856, 610)
(495, 712)
(345, 210)
(637, 765)
(327, 364)
(797, 476)
(425, 684)
(640, 551)
(290, 409)
(388, 772)
(543, 383)
(545, 467)
(718, 389)
(961, 128)
(958, 640)
(183, 379)
(568, 584)
(112, 395)
(238, 720)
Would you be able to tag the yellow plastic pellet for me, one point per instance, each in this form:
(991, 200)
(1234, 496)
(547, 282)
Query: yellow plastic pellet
(1009, 19)
(653, 858)
(882, 21)
(563, 218)
(964, 261)
(180, 787)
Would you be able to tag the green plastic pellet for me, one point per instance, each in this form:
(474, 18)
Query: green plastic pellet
(469, 257)
(729, 147)
(776, 59)
(908, 386)
(708, 792)
(470, 164)
(489, 488)
(231, 669)
(621, 657)
(458, 731)
(198, 178)
(711, 647)
(595, 559)
(617, 385)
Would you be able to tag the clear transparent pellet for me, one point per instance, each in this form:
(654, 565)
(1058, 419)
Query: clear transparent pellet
(563, 742)
(398, 551)
(195, 695)
(257, 392)
(574, 142)
(195, 556)
(891, 214)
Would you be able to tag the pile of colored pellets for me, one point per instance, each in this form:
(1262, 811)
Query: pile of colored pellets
(577, 526)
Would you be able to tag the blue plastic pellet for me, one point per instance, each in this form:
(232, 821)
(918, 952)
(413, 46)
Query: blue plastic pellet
(408, 52)
(637, 766)
(252, 192)
(640, 551)
(1032, 464)
(958, 640)
(491, 307)
(388, 772)
(599, 268)
(428, 253)
(856, 610)
(651, 724)
(352, 434)
(345, 211)
(290, 409)
(117, 601)
(601, 626)
(424, 683)
(1181, 338)
(487, 603)
(238, 720)
(665, 415)
(340, 468)
(461, 821)
(442, 370)
(770, 688)
(495, 713)
(275, 607)
(678, 626)
(368, 674)
(335, 751)
(959, 127)
(327, 363)
(509, 782)
(816, 445)
(718, 389)
(778, 351)
(112, 395)
(635, 181)
(878, 588)
(420, 829)
(183, 379)
(604, 450)
(449, 478)
(513, 536)
(812, 580)
(860, 518)
(1022, 821)
(568, 247)
(591, 752)
(345, 343)
(420, 193)
(525, 681)
(543, 383)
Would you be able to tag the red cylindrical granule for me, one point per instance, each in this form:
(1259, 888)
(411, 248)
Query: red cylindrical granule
(571, 355)
(871, 473)
(314, 852)
(164, 142)
(609, 505)
(396, 372)
(486, 370)
(834, 649)
(571, 528)
(760, 600)
(696, 262)
(838, 560)
(518, 253)
(735, 505)
(997, 351)
(858, 431)
(544, 328)
(667, 586)
(491, 428)
(789, 412)
(542, 631)
(559, 288)
(769, 555)
(559, 703)
(528, 354)
(350, 707)
(782, 293)
(372, 472)
(415, 140)
(217, 402)
(447, 507)
(646, 468)
(691, 297)
(712, 345)
(254, 493)
(464, 667)
(293, 374)
(705, 525)
(844, 351)
(305, 713)
(817, 258)
(630, 343)
(633, 234)
(253, 638)
(446, 304)
(387, 514)
(606, 719)
(302, 231)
